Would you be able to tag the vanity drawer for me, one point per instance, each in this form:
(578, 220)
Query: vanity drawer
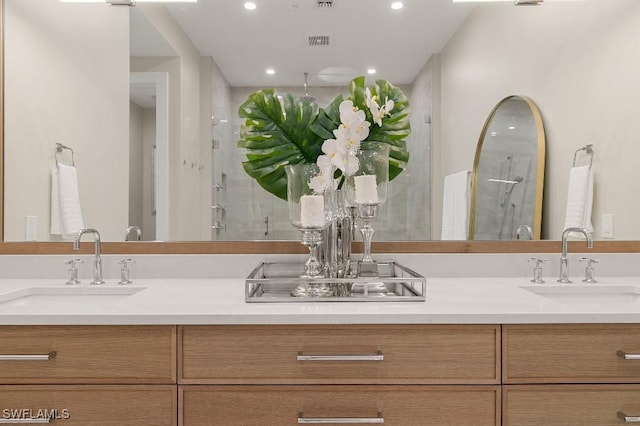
(90, 405)
(88, 354)
(284, 405)
(357, 354)
(574, 353)
(569, 405)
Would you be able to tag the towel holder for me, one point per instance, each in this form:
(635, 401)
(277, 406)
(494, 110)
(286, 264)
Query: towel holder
(58, 149)
(588, 149)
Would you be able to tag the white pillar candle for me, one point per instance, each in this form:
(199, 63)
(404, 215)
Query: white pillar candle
(312, 211)
(366, 189)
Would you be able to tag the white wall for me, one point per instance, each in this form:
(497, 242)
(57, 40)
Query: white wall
(81, 59)
(579, 62)
(188, 169)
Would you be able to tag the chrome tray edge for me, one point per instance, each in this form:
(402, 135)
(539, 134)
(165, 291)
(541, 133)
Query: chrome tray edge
(272, 282)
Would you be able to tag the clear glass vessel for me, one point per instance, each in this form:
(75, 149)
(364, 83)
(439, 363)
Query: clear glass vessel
(310, 212)
(366, 189)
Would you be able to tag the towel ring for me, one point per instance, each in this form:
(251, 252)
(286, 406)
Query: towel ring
(588, 150)
(58, 149)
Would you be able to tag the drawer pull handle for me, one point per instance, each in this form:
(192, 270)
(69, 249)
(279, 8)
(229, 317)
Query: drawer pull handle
(51, 355)
(25, 421)
(377, 357)
(628, 419)
(341, 420)
(624, 355)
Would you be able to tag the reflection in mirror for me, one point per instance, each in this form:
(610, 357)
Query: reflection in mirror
(508, 173)
(67, 80)
(191, 186)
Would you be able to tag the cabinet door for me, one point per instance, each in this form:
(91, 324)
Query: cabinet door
(291, 405)
(89, 405)
(571, 405)
(87, 354)
(339, 354)
(571, 353)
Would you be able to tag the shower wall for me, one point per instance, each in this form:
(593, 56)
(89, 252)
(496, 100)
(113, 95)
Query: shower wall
(252, 213)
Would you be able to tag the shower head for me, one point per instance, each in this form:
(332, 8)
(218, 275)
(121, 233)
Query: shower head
(307, 98)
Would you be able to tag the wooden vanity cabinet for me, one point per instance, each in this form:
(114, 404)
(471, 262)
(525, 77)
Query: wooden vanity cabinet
(87, 354)
(90, 405)
(88, 375)
(571, 374)
(273, 375)
(401, 405)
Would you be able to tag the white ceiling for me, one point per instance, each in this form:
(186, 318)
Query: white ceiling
(363, 34)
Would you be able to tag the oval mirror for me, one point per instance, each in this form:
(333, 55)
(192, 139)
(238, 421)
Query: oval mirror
(508, 173)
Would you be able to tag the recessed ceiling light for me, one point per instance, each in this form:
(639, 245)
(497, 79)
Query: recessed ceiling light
(271, 71)
(371, 71)
(250, 5)
(396, 5)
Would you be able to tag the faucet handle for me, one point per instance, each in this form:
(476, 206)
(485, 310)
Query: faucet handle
(125, 271)
(588, 271)
(537, 269)
(73, 271)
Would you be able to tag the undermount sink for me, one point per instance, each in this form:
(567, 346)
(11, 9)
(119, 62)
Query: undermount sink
(587, 293)
(30, 296)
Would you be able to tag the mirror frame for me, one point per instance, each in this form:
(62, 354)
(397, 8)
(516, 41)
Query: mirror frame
(273, 247)
(540, 167)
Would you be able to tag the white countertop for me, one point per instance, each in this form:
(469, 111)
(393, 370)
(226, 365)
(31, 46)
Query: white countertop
(221, 301)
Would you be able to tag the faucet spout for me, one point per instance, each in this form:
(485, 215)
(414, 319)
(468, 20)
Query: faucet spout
(97, 260)
(138, 233)
(564, 260)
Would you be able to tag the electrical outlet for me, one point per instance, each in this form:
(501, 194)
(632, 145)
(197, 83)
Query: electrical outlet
(607, 225)
(31, 228)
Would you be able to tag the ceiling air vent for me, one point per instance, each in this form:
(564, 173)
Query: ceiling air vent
(318, 40)
(328, 4)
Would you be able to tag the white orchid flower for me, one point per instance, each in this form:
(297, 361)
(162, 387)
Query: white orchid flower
(350, 114)
(378, 112)
(335, 150)
(352, 164)
(320, 182)
(348, 138)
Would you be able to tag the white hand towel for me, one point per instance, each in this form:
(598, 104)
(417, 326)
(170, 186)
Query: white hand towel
(455, 206)
(579, 198)
(66, 212)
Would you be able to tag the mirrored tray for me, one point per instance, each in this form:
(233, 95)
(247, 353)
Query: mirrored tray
(272, 282)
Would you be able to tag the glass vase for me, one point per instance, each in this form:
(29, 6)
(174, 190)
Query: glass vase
(366, 189)
(310, 212)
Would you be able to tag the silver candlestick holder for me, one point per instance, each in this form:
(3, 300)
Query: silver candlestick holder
(366, 190)
(310, 212)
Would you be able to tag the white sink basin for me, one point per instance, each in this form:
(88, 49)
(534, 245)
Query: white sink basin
(30, 296)
(587, 293)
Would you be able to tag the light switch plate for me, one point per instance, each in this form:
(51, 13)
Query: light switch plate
(607, 226)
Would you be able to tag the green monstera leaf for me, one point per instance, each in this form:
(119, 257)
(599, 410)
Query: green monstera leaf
(277, 132)
(395, 127)
(274, 134)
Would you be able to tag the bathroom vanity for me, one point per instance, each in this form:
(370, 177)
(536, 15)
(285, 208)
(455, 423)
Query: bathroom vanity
(192, 351)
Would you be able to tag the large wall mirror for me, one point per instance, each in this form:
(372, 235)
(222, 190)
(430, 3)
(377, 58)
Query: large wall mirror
(146, 97)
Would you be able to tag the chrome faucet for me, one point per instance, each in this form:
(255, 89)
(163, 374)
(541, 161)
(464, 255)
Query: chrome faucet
(97, 260)
(138, 233)
(564, 271)
(528, 232)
